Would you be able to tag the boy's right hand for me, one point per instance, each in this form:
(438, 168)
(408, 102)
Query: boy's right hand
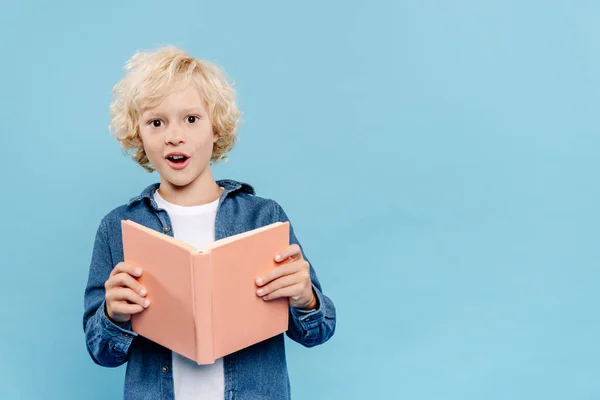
(124, 294)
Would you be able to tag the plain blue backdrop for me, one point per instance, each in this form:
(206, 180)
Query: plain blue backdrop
(439, 160)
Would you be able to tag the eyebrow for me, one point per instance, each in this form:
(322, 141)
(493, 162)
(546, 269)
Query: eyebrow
(192, 111)
(153, 114)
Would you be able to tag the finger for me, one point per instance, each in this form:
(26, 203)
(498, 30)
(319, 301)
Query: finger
(126, 268)
(279, 283)
(127, 309)
(126, 294)
(278, 272)
(288, 291)
(126, 280)
(292, 251)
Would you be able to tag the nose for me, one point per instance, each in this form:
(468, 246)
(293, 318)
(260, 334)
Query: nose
(174, 135)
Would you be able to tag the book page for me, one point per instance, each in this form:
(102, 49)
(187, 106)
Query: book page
(206, 248)
(240, 317)
(167, 276)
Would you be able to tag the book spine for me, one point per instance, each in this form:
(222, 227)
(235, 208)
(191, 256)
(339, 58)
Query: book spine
(202, 285)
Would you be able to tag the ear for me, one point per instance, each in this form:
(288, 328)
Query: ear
(215, 137)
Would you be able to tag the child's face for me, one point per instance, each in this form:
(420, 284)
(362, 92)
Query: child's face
(178, 138)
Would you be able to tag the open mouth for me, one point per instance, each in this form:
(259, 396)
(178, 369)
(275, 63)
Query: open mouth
(177, 159)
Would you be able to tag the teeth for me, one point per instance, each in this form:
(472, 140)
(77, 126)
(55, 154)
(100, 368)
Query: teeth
(177, 157)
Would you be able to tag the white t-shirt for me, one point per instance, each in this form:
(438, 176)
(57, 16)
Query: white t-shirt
(196, 226)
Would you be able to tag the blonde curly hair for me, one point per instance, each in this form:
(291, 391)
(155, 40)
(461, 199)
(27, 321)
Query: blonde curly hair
(150, 77)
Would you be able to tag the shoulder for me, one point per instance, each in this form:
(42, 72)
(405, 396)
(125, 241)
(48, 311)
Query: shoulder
(243, 198)
(135, 208)
(110, 224)
(115, 215)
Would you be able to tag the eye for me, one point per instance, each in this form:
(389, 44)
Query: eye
(157, 123)
(192, 119)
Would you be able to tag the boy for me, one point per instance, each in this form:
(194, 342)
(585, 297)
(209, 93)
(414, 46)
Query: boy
(178, 115)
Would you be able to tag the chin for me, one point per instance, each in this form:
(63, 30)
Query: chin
(180, 183)
(177, 181)
(180, 178)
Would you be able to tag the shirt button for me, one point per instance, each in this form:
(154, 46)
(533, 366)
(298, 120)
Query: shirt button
(125, 335)
(165, 369)
(167, 228)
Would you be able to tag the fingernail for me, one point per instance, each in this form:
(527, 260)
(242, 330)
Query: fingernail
(260, 292)
(143, 292)
(138, 271)
(278, 257)
(265, 298)
(259, 281)
(146, 303)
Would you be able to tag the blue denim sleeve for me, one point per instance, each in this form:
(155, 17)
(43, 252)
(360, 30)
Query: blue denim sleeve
(313, 327)
(107, 343)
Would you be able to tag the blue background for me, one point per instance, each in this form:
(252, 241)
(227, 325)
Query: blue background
(439, 160)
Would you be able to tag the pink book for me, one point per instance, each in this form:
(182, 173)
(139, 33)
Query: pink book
(203, 302)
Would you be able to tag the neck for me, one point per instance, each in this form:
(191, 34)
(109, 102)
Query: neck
(202, 190)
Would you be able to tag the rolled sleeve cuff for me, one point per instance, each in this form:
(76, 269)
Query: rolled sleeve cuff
(120, 335)
(309, 319)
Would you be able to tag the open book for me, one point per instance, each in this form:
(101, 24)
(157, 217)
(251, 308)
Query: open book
(203, 302)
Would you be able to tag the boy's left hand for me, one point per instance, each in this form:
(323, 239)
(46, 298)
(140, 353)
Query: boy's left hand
(290, 279)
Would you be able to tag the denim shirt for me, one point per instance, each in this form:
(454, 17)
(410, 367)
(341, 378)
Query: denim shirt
(256, 372)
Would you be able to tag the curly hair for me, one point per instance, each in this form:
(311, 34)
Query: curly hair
(150, 77)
